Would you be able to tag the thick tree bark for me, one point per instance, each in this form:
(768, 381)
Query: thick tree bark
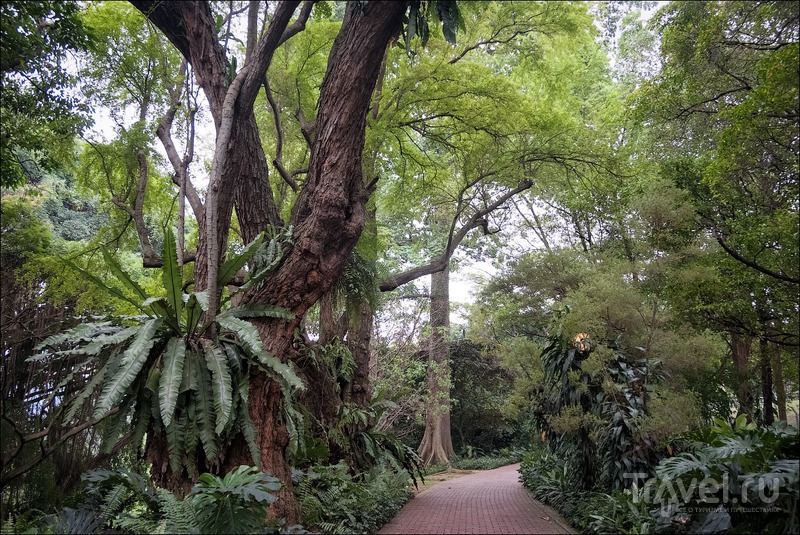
(329, 215)
(780, 387)
(437, 442)
(740, 351)
(766, 382)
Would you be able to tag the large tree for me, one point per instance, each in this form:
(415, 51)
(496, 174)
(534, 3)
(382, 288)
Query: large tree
(329, 214)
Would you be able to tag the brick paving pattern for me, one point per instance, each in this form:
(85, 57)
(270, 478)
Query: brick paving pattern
(492, 501)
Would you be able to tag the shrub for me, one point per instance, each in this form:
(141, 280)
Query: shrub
(335, 502)
(737, 476)
(120, 501)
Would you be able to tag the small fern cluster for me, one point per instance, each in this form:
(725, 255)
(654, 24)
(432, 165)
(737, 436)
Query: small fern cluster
(336, 502)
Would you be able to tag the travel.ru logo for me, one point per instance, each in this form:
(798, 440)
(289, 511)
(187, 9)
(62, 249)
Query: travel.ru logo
(708, 491)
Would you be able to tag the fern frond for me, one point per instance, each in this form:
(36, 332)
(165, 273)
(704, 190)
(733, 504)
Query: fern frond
(131, 364)
(205, 413)
(217, 363)
(231, 267)
(84, 331)
(176, 442)
(248, 335)
(171, 274)
(171, 377)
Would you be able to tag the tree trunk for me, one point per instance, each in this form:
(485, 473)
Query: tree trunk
(766, 382)
(780, 386)
(359, 336)
(437, 442)
(740, 351)
(328, 216)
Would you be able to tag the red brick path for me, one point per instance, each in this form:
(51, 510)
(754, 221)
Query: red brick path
(492, 501)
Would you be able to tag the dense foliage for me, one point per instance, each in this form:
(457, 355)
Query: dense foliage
(214, 246)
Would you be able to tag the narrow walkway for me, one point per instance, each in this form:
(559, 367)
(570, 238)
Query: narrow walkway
(492, 501)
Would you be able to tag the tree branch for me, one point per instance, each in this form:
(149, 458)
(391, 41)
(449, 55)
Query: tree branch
(438, 264)
(766, 271)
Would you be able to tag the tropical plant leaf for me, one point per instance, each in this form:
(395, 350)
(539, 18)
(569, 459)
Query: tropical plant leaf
(217, 362)
(189, 381)
(447, 11)
(202, 299)
(171, 377)
(191, 436)
(105, 340)
(171, 272)
(116, 292)
(84, 331)
(270, 259)
(258, 277)
(141, 417)
(231, 267)
(154, 377)
(204, 400)
(176, 442)
(246, 426)
(248, 334)
(258, 311)
(131, 364)
(194, 312)
(122, 275)
(84, 394)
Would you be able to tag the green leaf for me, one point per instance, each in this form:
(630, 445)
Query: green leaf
(202, 299)
(171, 377)
(132, 362)
(232, 266)
(79, 333)
(122, 275)
(447, 11)
(246, 426)
(248, 334)
(217, 362)
(171, 272)
(87, 391)
(116, 292)
(189, 381)
(176, 441)
(194, 311)
(411, 27)
(204, 399)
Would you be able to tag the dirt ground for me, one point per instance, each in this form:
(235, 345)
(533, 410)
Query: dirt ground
(433, 479)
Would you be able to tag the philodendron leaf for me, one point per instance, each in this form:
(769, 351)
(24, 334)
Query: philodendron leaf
(171, 377)
(171, 273)
(248, 335)
(131, 364)
(217, 362)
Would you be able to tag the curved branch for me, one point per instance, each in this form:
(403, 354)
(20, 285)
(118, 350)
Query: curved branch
(438, 264)
(749, 263)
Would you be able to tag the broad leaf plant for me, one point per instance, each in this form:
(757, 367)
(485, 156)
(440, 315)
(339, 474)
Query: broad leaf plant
(167, 371)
